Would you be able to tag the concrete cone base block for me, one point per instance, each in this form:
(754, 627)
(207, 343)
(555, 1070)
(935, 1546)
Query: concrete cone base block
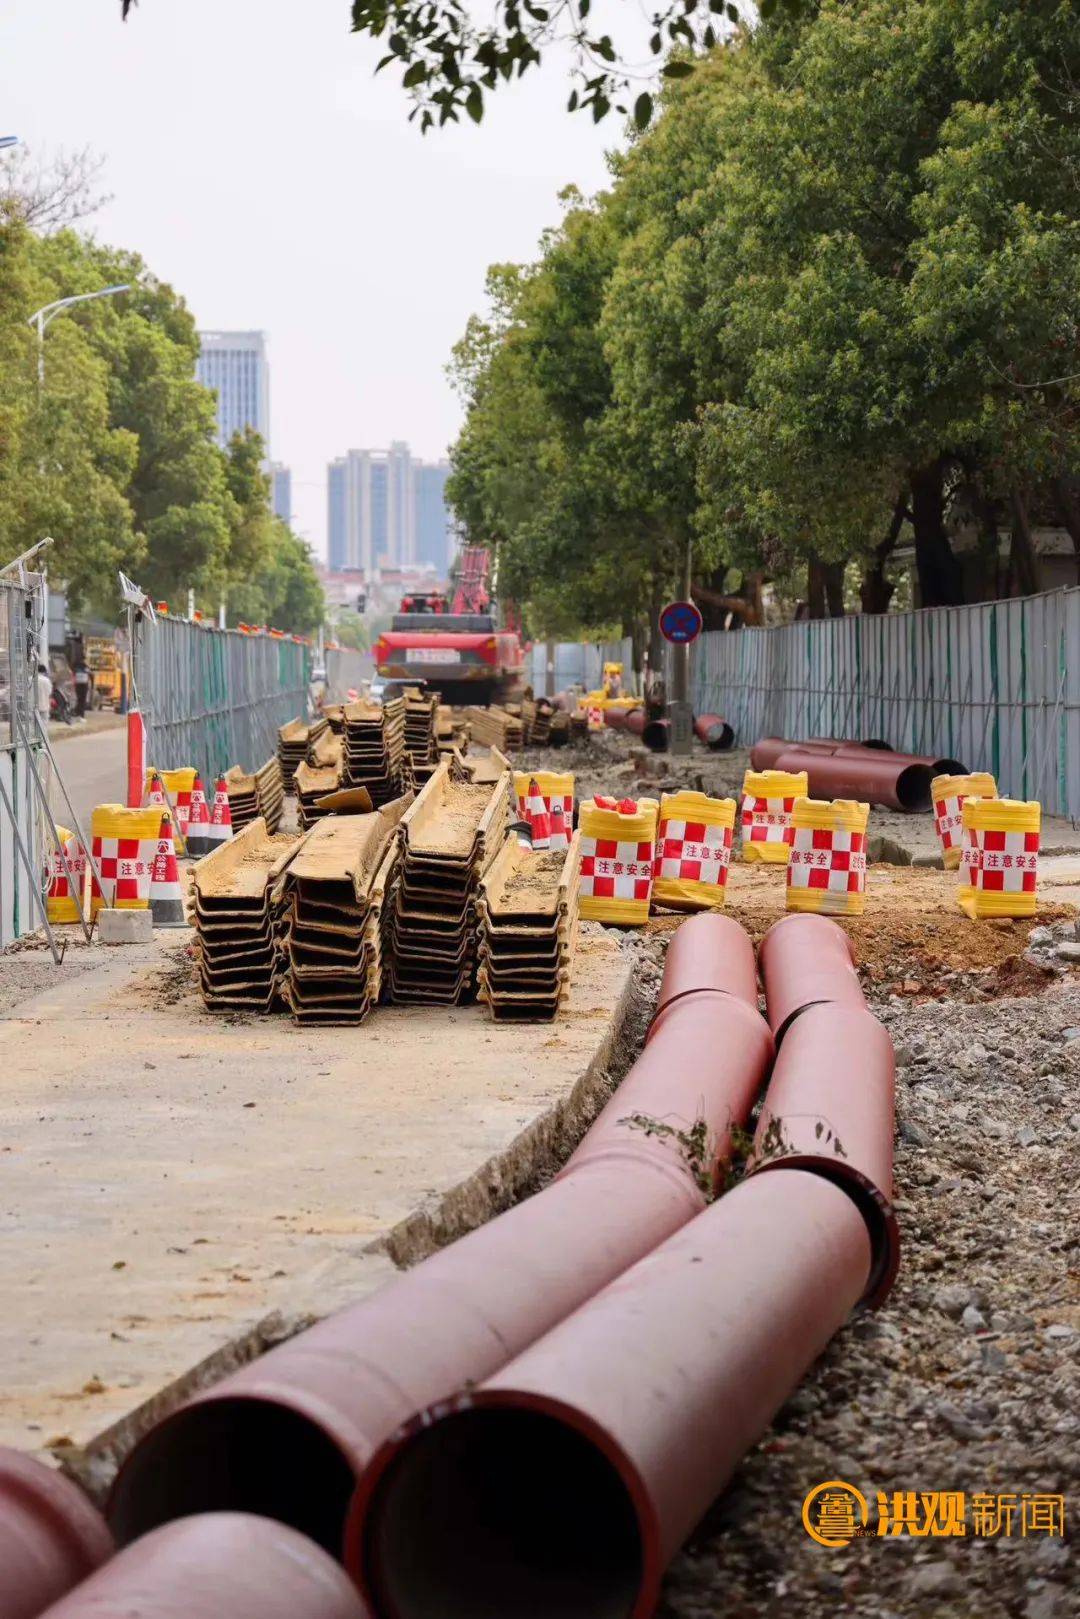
(125, 927)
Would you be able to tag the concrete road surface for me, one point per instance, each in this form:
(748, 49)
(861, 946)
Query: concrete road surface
(172, 1180)
(93, 765)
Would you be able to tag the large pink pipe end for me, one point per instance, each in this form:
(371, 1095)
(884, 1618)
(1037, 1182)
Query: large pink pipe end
(830, 1108)
(564, 1484)
(223, 1565)
(51, 1537)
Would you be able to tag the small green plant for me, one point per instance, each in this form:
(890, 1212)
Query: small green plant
(696, 1146)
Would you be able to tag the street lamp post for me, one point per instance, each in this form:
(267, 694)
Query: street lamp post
(42, 317)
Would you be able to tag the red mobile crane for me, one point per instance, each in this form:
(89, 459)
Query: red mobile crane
(466, 655)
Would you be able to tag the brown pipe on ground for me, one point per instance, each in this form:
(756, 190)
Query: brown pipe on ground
(706, 954)
(830, 1108)
(937, 767)
(715, 732)
(871, 778)
(564, 1484)
(51, 1537)
(874, 744)
(804, 960)
(615, 719)
(225, 1565)
(656, 735)
(286, 1435)
(635, 721)
(765, 753)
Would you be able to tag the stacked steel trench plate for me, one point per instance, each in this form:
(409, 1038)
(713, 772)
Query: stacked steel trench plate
(261, 794)
(528, 929)
(449, 735)
(237, 918)
(332, 894)
(375, 755)
(421, 712)
(452, 831)
(295, 742)
(541, 723)
(486, 767)
(321, 773)
(494, 727)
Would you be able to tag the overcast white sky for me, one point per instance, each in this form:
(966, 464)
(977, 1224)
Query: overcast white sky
(258, 166)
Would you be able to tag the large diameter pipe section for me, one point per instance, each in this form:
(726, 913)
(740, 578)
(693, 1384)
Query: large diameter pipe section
(939, 767)
(872, 778)
(715, 732)
(707, 955)
(286, 1436)
(216, 1566)
(765, 753)
(564, 1484)
(635, 721)
(51, 1537)
(615, 718)
(830, 1108)
(804, 960)
(656, 735)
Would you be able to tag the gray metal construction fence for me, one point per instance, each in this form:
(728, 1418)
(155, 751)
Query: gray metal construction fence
(995, 684)
(214, 698)
(21, 615)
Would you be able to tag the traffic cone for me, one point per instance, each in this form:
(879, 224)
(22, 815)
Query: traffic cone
(198, 828)
(158, 798)
(166, 897)
(560, 837)
(539, 816)
(220, 829)
(155, 797)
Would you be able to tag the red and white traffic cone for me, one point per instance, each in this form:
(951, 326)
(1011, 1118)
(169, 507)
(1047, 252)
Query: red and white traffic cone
(220, 828)
(560, 837)
(198, 827)
(155, 797)
(539, 817)
(166, 895)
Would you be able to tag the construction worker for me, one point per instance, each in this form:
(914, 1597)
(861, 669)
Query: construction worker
(82, 688)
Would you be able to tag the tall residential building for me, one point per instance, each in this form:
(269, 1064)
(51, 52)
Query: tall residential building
(234, 364)
(371, 509)
(434, 530)
(281, 491)
(337, 522)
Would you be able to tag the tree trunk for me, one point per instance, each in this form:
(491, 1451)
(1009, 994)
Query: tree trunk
(834, 587)
(815, 589)
(940, 578)
(1022, 562)
(875, 591)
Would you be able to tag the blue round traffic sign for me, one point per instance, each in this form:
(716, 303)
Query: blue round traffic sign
(680, 622)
